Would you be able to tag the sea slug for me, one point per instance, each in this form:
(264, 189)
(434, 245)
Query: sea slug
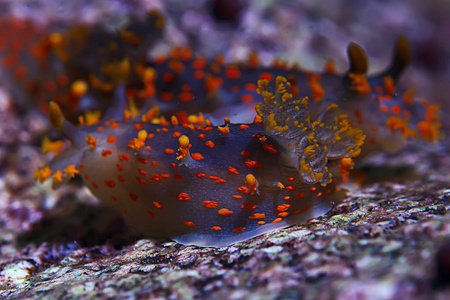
(210, 185)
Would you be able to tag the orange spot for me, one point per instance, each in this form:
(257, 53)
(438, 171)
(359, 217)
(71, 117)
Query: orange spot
(246, 98)
(290, 188)
(165, 175)
(175, 166)
(201, 136)
(269, 148)
(396, 109)
(225, 212)
(277, 220)
(199, 63)
(157, 205)
(178, 176)
(124, 157)
(133, 197)
(360, 83)
(319, 194)
(389, 85)
(248, 206)
(200, 175)
(150, 214)
(168, 151)
(210, 144)
(232, 170)
(266, 75)
(105, 153)
(199, 74)
(245, 153)
(185, 96)
(251, 87)
(253, 164)
(119, 167)
(238, 229)
(216, 228)
(166, 96)
(176, 134)
(142, 160)
(156, 178)
(243, 126)
(111, 139)
(142, 172)
(384, 108)
(141, 180)
(197, 156)
(300, 195)
(316, 88)
(183, 197)
(189, 224)
(210, 204)
(154, 163)
(237, 197)
(257, 216)
(283, 207)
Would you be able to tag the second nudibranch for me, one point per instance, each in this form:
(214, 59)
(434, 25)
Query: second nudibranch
(211, 185)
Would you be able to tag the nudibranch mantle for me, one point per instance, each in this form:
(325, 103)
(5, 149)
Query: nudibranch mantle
(210, 185)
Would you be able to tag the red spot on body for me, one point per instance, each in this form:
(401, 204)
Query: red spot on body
(105, 153)
(183, 197)
(178, 176)
(141, 180)
(110, 183)
(156, 178)
(210, 204)
(253, 164)
(248, 206)
(232, 170)
(111, 139)
(238, 229)
(142, 160)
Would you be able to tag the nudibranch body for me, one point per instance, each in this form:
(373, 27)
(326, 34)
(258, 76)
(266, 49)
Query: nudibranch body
(211, 185)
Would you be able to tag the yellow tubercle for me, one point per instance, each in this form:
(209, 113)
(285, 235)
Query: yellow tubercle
(55, 116)
(71, 171)
(184, 147)
(79, 88)
(91, 141)
(42, 174)
(251, 183)
(139, 142)
(49, 146)
(57, 176)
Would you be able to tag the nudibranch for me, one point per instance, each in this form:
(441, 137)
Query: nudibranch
(79, 65)
(207, 185)
(372, 103)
